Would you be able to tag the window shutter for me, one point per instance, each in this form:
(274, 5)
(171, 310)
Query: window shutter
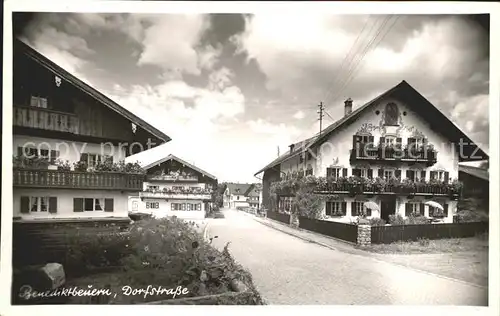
(356, 172)
(52, 204)
(344, 208)
(408, 174)
(77, 205)
(25, 204)
(344, 172)
(411, 140)
(380, 173)
(399, 140)
(368, 212)
(422, 209)
(108, 205)
(328, 172)
(355, 141)
(397, 173)
(328, 209)
(109, 159)
(370, 173)
(84, 157)
(382, 140)
(446, 177)
(353, 209)
(432, 175)
(407, 209)
(54, 154)
(422, 175)
(445, 210)
(20, 151)
(371, 140)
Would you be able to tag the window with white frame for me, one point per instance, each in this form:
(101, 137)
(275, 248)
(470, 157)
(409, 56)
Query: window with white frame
(93, 204)
(152, 205)
(153, 187)
(334, 208)
(364, 173)
(388, 174)
(389, 141)
(357, 208)
(415, 208)
(38, 102)
(38, 204)
(334, 172)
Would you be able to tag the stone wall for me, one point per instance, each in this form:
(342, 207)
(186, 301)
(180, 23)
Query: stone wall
(364, 235)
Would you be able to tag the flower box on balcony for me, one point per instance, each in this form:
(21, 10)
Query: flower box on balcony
(77, 180)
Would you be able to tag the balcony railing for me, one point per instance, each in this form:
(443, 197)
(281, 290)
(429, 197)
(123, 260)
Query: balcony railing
(172, 178)
(371, 152)
(77, 180)
(198, 194)
(46, 119)
(419, 188)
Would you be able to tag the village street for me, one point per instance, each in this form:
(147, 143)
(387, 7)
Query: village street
(288, 270)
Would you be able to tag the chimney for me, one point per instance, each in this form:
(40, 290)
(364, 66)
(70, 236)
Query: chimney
(291, 147)
(348, 106)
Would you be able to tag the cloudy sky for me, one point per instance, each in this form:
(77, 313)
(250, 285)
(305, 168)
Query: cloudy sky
(229, 88)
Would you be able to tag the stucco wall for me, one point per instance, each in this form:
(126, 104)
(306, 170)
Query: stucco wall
(65, 203)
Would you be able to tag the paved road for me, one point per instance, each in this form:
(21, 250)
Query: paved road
(288, 270)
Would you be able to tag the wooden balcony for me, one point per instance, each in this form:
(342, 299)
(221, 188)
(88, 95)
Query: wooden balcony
(368, 152)
(172, 178)
(418, 189)
(40, 118)
(177, 195)
(28, 178)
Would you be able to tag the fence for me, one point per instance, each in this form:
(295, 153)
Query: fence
(39, 243)
(389, 234)
(284, 218)
(347, 232)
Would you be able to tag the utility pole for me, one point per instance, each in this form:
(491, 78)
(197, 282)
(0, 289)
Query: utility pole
(320, 112)
(278, 151)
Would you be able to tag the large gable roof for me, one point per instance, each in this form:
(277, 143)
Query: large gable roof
(238, 188)
(172, 157)
(406, 93)
(21, 47)
(475, 171)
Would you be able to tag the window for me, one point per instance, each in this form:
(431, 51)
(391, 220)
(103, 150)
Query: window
(38, 102)
(391, 114)
(93, 205)
(389, 141)
(153, 187)
(38, 204)
(435, 212)
(415, 208)
(334, 173)
(439, 176)
(237, 197)
(30, 152)
(153, 205)
(357, 208)
(335, 208)
(388, 174)
(412, 175)
(93, 159)
(363, 173)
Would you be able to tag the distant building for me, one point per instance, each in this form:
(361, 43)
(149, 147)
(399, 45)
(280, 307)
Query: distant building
(174, 187)
(476, 184)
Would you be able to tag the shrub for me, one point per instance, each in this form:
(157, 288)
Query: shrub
(377, 221)
(396, 219)
(416, 219)
(423, 242)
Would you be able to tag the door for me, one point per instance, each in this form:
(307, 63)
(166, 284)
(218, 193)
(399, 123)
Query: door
(387, 207)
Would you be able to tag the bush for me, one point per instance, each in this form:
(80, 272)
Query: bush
(169, 252)
(377, 221)
(88, 251)
(396, 219)
(416, 219)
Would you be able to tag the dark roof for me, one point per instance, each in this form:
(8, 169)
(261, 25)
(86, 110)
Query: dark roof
(238, 188)
(406, 93)
(475, 171)
(22, 47)
(172, 157)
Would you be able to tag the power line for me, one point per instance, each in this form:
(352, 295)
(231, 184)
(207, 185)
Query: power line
(332, 84)
(351, 76)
